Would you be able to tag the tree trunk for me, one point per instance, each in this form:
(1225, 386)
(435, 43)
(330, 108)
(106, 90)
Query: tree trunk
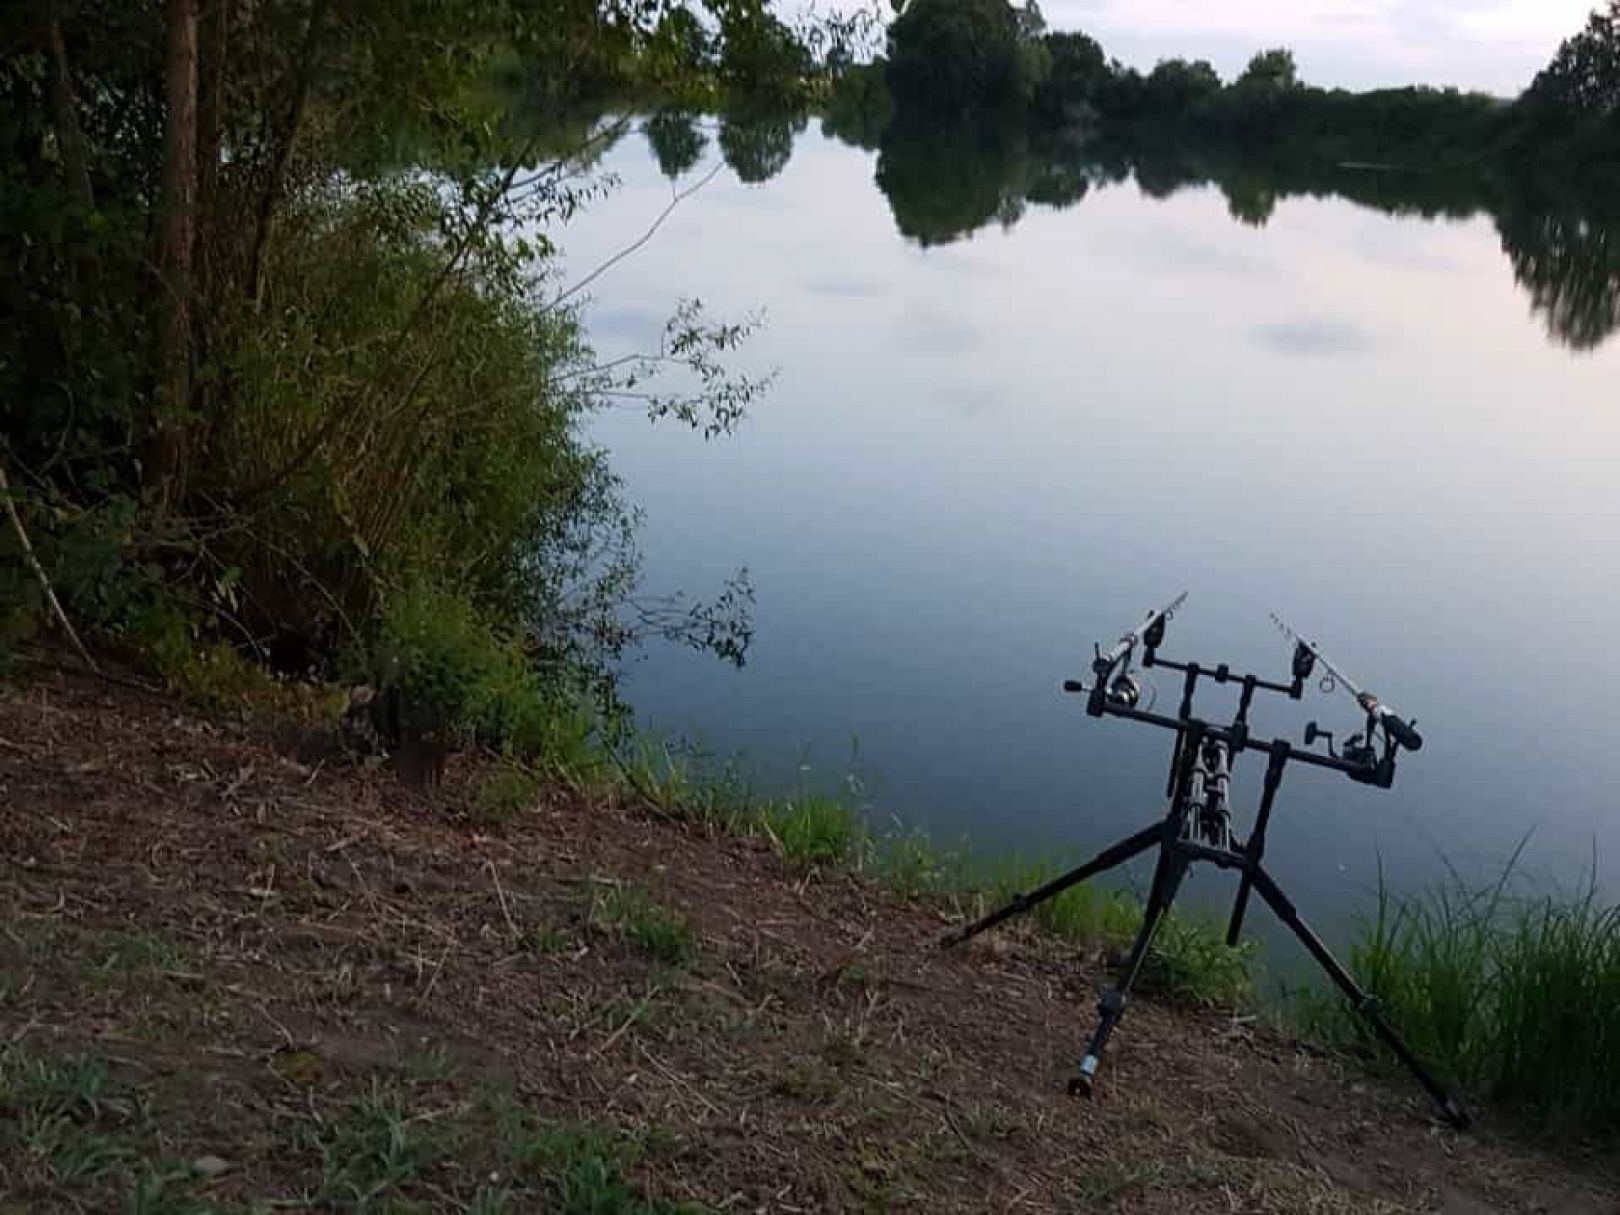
(214, 38)
(285, 138)
(175, 256)
(65, 116)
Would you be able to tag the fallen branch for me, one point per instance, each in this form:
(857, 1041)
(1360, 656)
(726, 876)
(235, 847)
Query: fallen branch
(39, 573)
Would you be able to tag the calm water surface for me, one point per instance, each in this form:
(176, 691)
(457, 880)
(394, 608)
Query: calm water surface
(982, 455)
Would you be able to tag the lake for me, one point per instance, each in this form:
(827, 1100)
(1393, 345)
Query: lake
(1020, 403)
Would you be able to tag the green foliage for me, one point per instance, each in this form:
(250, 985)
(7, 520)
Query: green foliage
(1583, 80)
(951, 59)
(371, 1152)
(813, 831)
(452, 672)
(1273, 71)
(1176, 86)
(764, 65)
(666, 936)
(1077, 75)
(505, 793)
(586, 1167)
(377, 388)
(1515, 999)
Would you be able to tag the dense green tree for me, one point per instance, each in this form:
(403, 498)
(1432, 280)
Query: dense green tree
(763, 64)
(1176, 85)
(1077, 75)
(1031, 21)
(1272, 71)
(952, 58)
(1583, 79)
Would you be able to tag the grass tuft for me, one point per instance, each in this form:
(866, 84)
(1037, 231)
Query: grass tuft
(813, 831)
(371, 1152)
(665, 935)
(1513, 999)
(504, 794)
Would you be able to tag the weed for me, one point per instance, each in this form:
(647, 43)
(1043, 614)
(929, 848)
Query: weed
(544, 939)
(584, 1168)
(1515, 999)
(664, 935)
(813, 831)
(138, 953)
(369, 1153)
(54, 1109)
(505, 793)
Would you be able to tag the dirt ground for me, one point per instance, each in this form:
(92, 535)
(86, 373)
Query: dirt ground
(232, 980)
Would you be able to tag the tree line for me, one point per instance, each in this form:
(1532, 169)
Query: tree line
(954, 61)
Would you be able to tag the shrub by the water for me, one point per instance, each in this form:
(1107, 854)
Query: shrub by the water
(1516, 999)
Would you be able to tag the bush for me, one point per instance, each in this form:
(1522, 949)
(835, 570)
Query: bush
(452, 672)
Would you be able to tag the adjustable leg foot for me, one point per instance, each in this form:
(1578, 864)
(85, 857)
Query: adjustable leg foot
(1084, 1081)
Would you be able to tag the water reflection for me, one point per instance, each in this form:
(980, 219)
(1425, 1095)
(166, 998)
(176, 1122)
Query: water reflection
(676, 140)
(1570, 265)
(943, 185)
(758, 146)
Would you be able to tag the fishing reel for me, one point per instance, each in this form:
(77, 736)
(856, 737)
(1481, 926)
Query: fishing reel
(1358, 749)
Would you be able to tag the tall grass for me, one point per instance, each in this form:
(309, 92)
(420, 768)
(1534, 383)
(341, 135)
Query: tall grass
(1515, 999)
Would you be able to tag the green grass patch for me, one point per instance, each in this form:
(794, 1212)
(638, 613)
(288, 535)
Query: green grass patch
(585, 1169)
(1514, 999)
(663, 934)
(504, 794)
(813, 831)
(371, 1152)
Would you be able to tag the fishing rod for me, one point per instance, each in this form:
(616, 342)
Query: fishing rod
(1197, 827)
(1377, 712)
(1123, 687)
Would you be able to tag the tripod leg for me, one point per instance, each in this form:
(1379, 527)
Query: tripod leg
(1107, 859)
(1166, 881)
(1362, 1001)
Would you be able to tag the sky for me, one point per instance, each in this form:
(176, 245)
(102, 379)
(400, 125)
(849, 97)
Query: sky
(1495, 46)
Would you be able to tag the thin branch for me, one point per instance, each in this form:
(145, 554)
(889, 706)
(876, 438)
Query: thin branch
(39, 573)
(646, 236)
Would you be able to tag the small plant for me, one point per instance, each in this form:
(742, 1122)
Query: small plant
(813, 831)
(584, 1168)
(57, 1111)
(134, 953)
(505, 793)
(544, 939)
(664, 935)
(369, 1153)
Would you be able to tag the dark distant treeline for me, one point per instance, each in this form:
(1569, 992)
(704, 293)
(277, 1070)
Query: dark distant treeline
(986, 63)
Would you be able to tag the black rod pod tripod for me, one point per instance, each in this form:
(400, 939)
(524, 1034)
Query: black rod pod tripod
(1198, 824)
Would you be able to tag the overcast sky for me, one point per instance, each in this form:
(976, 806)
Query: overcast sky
(1492, 45)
